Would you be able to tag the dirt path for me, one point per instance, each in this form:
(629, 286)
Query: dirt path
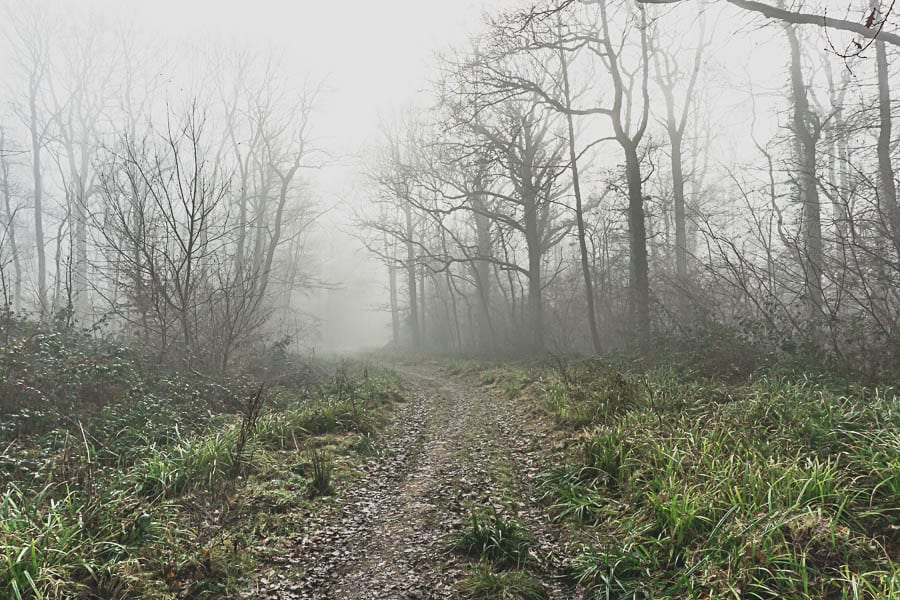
(453, 445)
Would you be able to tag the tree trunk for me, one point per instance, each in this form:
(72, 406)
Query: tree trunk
(678, 197)
(423, 326)
(535, 291)
(38, 180)
(637, 242)
(411, 279)
(9, 214)
(77, 197)
(805, 133)
(395, 310)
(889, 205)
(482, 267)
(837, 167)
(579, 212)
(81, 218)
(455, 323)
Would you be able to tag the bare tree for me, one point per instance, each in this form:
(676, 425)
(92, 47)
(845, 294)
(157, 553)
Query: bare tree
(806, 127)
(8, 212)
(394, 177)
(79, 105)
(888, 186)
(535, 44)
(163, 221)
(668, 74)
(30, 39)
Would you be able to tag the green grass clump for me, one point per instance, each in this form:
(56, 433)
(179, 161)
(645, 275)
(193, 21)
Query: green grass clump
(589, 392)
(57, 543)
(616, 571)
(191, 464)
(486, 584)
(572, 492)
(363, 414)
(320, 483)
(490, 536)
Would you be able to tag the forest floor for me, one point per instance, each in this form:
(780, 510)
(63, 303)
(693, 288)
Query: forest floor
(522, 481)
(454, 450)
(591, 480)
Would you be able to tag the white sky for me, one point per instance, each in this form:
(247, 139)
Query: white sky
(372, 54)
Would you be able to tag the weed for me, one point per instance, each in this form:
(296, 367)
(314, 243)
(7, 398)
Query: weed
(249, 422)
(590, 393)
(320, 483)
(365, 445)
(614, 572)
(490, 536)
(570, 496)
(486, 584)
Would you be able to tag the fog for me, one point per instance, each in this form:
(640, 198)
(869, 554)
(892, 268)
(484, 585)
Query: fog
(387, 86)
(368, 60)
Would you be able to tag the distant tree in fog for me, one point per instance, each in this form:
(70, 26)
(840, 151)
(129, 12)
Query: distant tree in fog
(756, 254)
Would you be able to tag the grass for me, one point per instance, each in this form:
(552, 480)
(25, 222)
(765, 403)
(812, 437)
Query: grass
(167, 484)
(675, 486)
(487, 584)
(320, 483)
(490, 536)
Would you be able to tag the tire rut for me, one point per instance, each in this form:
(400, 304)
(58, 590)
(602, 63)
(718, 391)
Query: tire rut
(385, 537)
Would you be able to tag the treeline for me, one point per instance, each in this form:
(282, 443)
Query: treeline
(152, 196)
(567, 193)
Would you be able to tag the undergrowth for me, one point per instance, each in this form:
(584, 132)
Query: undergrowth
(675, 486)
(500, 546)
(121, 481)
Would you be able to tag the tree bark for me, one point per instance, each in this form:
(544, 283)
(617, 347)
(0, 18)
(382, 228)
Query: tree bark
(806, 133)
(423, 327)
(38, 180)
(482, 267)
(890, 208)
(678, 198)
(411, 278)
(535, 286)
(10, 215)
(395, 310)
(579, 211)
(637, 244)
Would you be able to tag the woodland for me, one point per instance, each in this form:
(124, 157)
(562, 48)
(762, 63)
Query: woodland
(563, 196)
(638, 267)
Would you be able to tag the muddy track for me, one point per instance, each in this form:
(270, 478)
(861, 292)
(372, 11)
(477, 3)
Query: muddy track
(385, 537)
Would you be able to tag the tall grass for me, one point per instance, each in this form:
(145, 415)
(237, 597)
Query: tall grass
(150, 491)
(689, 488)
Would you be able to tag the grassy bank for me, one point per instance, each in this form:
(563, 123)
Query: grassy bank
(121, 480)
(670, 485)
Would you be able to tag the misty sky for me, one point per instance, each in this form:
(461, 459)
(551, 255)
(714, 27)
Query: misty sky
(371, 56)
